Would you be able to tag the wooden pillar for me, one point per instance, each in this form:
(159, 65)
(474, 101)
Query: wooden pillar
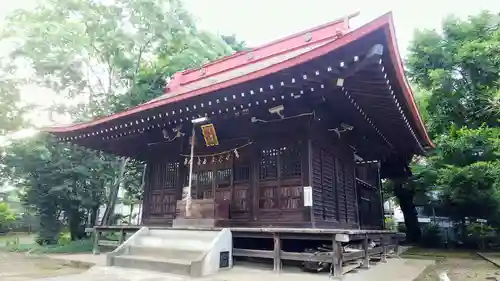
(97, 236)
(366, 260)
(383, 244)
(309, 176)
(396, 248)
(337, 259)
(277, 252)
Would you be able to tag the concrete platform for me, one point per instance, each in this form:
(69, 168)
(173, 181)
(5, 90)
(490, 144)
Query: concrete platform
(393, 270)
(80, 260)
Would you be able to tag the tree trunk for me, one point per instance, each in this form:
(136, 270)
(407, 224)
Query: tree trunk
(94, 216)
(130, 213)
(405, 198)
(76, 230)
(113, 194)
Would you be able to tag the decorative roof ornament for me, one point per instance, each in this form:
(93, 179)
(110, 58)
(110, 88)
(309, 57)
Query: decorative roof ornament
(308, 37)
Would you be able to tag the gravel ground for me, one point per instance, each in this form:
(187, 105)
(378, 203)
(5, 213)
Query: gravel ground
(461, 270)
(19, 267)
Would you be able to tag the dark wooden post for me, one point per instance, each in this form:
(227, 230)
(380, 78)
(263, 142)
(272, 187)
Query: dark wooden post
(337, 259)
(97, 235)
(309, 149)
(277, 252)
(366, 260)
(383, 242)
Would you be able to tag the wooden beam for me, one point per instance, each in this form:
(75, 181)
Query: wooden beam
(277, 252)
(253, 253)
(337, 259)
(366, 260)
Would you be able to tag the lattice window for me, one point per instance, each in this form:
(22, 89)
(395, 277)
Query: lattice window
(205, 178)
(171, 175)
(277, 165)
(290, 162)
(268, 168)
(224, 177)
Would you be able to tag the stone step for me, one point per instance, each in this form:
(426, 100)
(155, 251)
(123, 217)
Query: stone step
(165, 253)
(193, 223)
(184, 234)
(179, 243)
(174, 266)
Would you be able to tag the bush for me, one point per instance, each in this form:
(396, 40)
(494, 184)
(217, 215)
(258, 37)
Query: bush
(431, 236)
(64, 239)
(6, 217)
(390, 224)
(480, 235)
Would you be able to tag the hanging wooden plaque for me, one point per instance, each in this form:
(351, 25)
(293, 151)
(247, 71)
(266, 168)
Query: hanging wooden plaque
(210, 135)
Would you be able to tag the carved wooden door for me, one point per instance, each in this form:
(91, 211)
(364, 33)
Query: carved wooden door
(163, 191)
(280, 184)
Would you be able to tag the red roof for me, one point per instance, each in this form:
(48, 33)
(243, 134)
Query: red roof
(270, 58)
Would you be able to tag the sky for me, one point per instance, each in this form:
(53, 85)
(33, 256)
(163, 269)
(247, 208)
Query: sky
(261, 21)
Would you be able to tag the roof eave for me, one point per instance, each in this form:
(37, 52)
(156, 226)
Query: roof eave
(384, 21)
(426, 142)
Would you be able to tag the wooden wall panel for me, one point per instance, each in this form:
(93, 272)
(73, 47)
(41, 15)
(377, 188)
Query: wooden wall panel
(317, 184)
(370, 206)
(329, 191)
(335, 197)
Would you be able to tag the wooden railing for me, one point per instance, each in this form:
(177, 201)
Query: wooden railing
(387, 241)
(361, 250)
(100, 237)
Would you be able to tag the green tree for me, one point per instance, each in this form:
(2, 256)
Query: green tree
(468, 167)
(455, 72)
(459, 66)
(103, 58)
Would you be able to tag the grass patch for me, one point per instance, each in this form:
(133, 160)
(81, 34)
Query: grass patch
(79, 246)
(417, 252)
(24, 243)
(23, 238)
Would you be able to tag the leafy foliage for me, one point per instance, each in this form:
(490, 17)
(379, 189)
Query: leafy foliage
(459, 66)
(98, 58)
(456, 74)
(6, 216)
